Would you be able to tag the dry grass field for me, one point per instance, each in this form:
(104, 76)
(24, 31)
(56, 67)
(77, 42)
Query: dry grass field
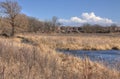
(84, 42)
(31, 56)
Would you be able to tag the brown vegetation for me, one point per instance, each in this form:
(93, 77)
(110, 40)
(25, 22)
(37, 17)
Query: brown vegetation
(36, 59)
(32, 56)
(10, 10)
(77, 42)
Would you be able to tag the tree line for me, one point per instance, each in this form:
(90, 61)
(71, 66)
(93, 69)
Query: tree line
(13, 21)
(87, 28)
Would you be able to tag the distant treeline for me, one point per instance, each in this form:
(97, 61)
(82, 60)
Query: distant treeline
(25, 23)
(87, 28)
(12, 21)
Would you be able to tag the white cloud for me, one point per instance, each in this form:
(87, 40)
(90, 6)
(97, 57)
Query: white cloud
(77, 20)
(90, 18)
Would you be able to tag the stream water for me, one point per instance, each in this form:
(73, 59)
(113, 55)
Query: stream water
(110, 58)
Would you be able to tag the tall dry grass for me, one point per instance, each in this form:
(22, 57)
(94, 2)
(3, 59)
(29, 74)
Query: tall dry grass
(29, 57)
(91, 42)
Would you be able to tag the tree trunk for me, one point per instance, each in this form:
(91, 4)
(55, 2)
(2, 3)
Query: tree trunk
(13, 28)
(12, 34)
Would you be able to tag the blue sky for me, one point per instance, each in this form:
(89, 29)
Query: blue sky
(65, 10)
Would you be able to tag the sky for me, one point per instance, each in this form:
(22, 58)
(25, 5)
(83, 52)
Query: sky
(74, 12)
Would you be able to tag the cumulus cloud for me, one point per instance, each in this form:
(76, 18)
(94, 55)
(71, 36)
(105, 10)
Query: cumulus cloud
(90, 18)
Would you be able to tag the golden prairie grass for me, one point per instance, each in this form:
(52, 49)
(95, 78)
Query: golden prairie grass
(92, 42)
(34, 57)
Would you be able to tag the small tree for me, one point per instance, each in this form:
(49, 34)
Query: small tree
(54, 20)
(10, 9)
(55, 23)
(34, 25)
(21, 21)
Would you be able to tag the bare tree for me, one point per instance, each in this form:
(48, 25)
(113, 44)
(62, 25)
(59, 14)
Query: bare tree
(35, 25)
(55, 23)
(54, 20)
(10, 9)
(21, 21)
